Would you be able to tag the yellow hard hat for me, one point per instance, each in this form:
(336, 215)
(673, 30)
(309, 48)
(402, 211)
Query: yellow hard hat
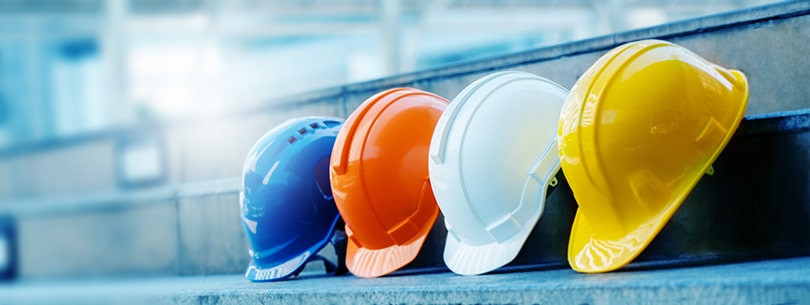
(636, 133)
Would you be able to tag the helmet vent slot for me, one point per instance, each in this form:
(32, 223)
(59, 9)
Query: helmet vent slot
(330, 124)
(291, 139)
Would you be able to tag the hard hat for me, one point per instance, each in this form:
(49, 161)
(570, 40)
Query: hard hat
(380, 179)
(637, 132)
(286, 202)
(492, 156)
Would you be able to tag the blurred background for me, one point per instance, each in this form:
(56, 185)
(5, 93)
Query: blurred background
(69, 67)
(124, 124)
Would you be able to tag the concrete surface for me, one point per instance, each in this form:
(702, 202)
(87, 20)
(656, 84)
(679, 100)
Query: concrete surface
(767, 43)
(765, 282)
(210, 234)
(184, 229)
(69, 205)
(69, 170)
(194, 228)
(136, 241)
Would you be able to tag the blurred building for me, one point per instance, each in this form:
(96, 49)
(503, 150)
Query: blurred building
(68, 67)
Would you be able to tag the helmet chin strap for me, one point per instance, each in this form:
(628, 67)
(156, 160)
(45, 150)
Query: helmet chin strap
(340, 241)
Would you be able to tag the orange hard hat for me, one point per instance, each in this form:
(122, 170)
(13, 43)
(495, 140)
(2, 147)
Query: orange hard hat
(380, 182)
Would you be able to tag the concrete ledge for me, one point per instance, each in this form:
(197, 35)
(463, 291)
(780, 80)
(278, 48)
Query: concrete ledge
(59, 205)
(765, 282)
(184, 229)
(120, 241)
(740, 19)
(194, 228)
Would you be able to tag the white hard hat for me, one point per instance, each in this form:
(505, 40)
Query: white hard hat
(492, 156)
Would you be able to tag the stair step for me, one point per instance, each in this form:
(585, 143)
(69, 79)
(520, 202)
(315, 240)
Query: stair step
(785, 281)
(755, 206)
(183, 229)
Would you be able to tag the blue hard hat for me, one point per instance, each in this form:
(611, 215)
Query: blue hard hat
(286, 204)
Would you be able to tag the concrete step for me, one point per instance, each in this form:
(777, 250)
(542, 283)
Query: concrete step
(182, 229)
(85, 235)
(75, 219)
(755, 206)
(785, 281)
(767, 43)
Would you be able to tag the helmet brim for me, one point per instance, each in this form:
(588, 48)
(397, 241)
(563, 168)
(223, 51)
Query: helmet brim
(285, 270)
(370, 263)
(588, 252)
(289, 268)
(468, 259)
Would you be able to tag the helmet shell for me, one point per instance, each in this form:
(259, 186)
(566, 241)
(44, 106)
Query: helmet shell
(286, 204)
(380, 179)
(637, 132)
(492, 156)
